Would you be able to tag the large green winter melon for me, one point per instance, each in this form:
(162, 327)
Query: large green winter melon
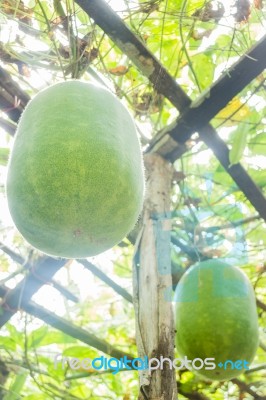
(216, 317)
(75, 179)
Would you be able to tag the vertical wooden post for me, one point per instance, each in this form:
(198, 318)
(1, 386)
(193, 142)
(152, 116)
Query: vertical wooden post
(152, 282)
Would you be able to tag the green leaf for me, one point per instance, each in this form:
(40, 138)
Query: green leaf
(259, 176)
(258, 144)
(36, 336)
(4, 154)
(57, 337)
(7, 343)
(16, 336)
(16, 387)
(204, 69)
(80, 352)
(58, 8)
(239, 143)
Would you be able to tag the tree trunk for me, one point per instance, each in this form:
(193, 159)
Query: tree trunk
(153, 283)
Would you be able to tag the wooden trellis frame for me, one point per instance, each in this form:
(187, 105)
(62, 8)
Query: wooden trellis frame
(170, 144)
(194, 116)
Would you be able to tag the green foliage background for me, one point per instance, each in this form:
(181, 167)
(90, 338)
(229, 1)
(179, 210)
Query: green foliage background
(42, 42)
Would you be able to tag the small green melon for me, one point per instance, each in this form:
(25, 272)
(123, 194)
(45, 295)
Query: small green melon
(216, 317)
(75, 179)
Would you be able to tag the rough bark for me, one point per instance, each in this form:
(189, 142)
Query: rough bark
(152, 282)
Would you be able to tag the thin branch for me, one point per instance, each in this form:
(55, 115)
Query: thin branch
(64, 291)
(245, 388)
(255, 369)
(231, 225)
(67, 327)
(81, 375)
(22, 364)
(13, 255)
(261, 305)
(37, 276)
(193, 253)
(20, 260)
(262, 346)
(97, 272)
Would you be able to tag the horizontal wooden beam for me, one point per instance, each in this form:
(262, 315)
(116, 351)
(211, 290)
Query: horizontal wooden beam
(135, 49)
(216, 97)
(38, 275)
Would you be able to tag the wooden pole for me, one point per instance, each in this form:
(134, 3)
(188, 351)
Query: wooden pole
(153, 282)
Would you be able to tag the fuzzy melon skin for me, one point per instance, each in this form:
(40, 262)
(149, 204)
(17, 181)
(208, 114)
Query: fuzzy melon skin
(75, 180)
(216, 317)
